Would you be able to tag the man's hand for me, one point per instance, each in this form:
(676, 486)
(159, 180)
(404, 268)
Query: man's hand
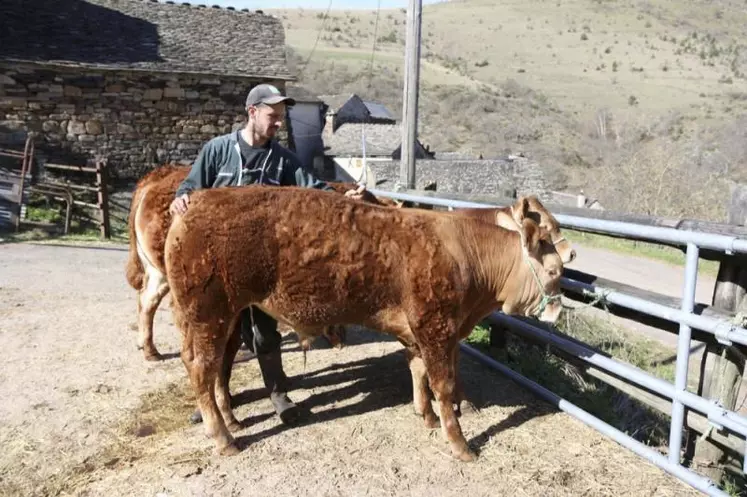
(179, 204)
(356, 194)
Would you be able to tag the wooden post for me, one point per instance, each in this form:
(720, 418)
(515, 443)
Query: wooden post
(722, 366)
(498, 338)
(103, 197)
(28, 159)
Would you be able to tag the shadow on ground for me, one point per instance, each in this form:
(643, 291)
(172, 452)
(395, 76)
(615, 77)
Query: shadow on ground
(385, 382)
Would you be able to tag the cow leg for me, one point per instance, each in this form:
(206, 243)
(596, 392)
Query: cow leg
(462, 404)
(222, 388)
(155, 288)
(202, 356)
(420, 393)
(232, 347)
(441, 374)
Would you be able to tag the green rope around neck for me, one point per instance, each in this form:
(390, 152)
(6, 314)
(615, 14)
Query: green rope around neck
(546, 299)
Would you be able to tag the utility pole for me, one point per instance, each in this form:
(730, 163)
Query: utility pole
(410, 100)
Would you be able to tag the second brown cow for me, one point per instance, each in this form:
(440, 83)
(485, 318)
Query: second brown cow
(148, 224)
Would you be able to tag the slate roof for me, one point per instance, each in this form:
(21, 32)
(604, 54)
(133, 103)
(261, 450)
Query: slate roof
(143, 34)
(377, 110)
(381, 140)
(335, 101)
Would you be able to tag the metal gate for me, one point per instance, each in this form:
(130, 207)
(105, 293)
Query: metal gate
(12, 182)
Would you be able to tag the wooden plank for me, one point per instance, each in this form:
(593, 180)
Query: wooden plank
(11, 153)
(25, 168)
(103, 197)
(722, 369)
(68, 167)
(70, 185)
(639, 317)
(86, 204)
(738, 205)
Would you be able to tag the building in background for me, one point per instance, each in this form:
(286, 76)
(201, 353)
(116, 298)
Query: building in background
(306, 122)
(140, 82)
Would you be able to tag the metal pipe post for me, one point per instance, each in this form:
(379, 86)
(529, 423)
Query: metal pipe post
(683, 354)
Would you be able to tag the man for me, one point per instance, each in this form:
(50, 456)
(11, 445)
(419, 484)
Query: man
(245, 157)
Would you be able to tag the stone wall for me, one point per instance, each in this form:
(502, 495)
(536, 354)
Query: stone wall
(136, 119)
(490, 176)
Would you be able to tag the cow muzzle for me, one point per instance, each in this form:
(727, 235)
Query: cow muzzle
(551, 311)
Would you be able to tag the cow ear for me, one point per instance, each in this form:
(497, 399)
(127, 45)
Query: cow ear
(520, 210)
(531, 234)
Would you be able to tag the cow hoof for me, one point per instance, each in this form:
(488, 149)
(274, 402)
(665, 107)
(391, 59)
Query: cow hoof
(465, 407)
(195, 418)
(431, 421)
(466, 456)
(234, 426)
(153, 356)
(229, 450)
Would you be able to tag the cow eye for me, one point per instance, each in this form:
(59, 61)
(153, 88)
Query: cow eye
(553, 272)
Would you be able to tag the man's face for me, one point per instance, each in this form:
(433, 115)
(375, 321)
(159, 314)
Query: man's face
(268, 119)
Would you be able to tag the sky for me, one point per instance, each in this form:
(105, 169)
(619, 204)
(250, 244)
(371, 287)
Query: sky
(310, 4)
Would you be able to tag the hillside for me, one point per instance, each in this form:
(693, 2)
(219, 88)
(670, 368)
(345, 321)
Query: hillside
(589, 88)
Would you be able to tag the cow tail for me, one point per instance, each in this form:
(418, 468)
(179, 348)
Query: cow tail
(134, 269)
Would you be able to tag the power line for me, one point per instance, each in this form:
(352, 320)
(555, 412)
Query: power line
(318, 35)
(373, 49)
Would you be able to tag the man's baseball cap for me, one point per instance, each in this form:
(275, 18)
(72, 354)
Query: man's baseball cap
(267, 94)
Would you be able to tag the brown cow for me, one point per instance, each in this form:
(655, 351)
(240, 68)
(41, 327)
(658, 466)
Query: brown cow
(148, 224)
(426, 277)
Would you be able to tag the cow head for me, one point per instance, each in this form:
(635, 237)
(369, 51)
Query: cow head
(536, 290)
(531, 207)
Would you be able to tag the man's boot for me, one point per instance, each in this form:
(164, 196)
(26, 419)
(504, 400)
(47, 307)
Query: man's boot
(276, 381)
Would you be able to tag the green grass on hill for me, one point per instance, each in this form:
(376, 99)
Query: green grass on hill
(588, 88)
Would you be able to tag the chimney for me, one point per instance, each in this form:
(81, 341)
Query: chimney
(581, 200)
(329, 120)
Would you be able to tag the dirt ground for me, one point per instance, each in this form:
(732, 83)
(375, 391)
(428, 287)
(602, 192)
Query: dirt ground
(84, 414)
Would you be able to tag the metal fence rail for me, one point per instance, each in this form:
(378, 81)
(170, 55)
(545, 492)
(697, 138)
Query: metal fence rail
(726, 332)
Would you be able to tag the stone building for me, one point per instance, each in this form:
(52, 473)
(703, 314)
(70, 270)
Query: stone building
(503, 177)
(138, 81)
(353, 109)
